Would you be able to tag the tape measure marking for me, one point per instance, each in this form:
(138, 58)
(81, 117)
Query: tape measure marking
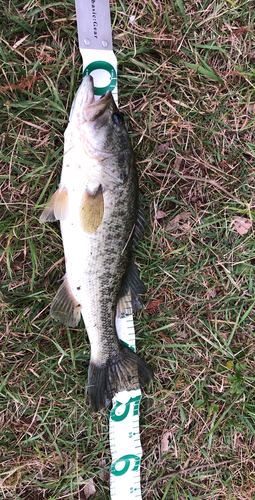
(106, 66)
(119, 406)
(127, 463)
(125, 445)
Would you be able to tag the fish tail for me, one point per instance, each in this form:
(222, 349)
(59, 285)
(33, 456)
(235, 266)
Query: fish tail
(125, 371)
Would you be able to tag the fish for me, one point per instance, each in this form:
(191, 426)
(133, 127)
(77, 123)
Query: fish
(98, 209)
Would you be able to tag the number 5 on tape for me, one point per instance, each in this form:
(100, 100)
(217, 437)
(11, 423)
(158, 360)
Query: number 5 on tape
(116, 414)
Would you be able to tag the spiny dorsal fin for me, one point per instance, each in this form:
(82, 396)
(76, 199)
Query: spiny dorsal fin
(92, 210)
(57, 208)
(139, 227)
(65, 308)
(131, 283)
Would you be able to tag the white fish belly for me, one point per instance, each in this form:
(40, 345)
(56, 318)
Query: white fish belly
(83, 253)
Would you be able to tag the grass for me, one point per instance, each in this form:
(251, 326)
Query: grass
(186, 86)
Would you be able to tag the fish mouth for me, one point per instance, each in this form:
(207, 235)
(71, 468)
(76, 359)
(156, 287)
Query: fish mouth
(86, 104)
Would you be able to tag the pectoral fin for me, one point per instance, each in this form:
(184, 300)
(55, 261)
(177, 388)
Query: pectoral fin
(57, 208)
(65, 308)
(92, 210)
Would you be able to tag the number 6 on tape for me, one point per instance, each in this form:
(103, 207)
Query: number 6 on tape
(125, 459)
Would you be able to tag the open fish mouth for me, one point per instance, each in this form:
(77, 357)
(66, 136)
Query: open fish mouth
(85, 104)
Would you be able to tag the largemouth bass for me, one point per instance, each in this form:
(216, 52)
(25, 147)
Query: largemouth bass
(97, 205)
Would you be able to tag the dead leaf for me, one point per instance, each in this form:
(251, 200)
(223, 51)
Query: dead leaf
(252, 56)
(167, 339)
(242, 224)
(177, 163)
(182, 335)
(211, 293)
(241, 30)
(19, 42)
(165, 442)
(29, 421)
(104, 474)
(155, 326)
(175, 222)
(160, 215)
(46, 281)
(89, 489)
(251, 108)
(32, 494)
(163, 147)
(153, 305)
(17, 265)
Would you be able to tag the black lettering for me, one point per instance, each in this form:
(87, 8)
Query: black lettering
(94, 17)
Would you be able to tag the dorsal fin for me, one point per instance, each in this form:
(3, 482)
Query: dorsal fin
(139, 227)
(132, 286)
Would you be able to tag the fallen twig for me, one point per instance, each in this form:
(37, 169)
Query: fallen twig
(191, 469)
(201, 179)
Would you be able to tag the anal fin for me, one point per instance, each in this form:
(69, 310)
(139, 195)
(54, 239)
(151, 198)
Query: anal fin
(65, 308)
(57, 208)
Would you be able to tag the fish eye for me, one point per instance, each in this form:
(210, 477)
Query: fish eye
(117, 118)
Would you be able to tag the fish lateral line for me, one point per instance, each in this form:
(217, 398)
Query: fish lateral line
(128, 240)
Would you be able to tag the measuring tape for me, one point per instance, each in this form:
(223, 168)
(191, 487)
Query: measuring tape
(95, 44)
(125, 441)
(99, 61)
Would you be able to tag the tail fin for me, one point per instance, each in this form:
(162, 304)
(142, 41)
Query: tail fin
(124, 372)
